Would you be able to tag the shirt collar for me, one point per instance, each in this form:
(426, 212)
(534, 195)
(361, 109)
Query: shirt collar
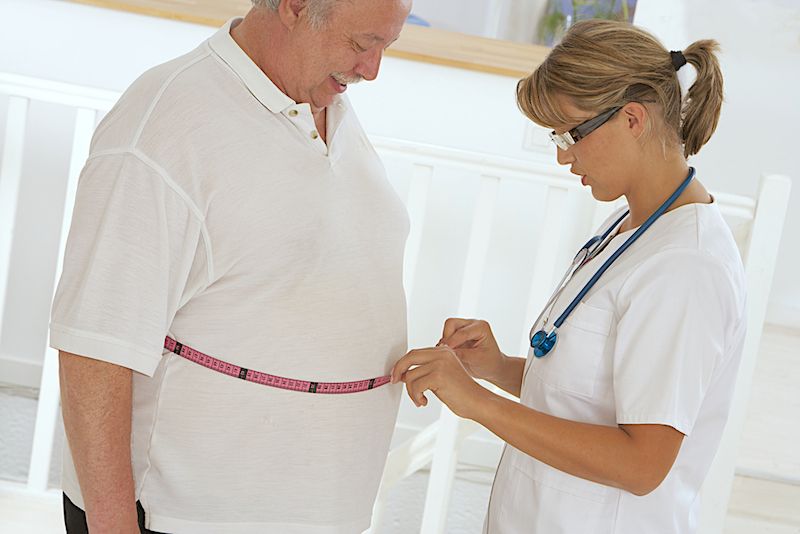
(258, 83)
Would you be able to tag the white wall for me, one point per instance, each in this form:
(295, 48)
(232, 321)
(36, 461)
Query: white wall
(760, 42)
(465, 16)
(513, 20)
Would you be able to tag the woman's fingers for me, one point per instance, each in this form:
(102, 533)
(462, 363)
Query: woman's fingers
(440, 371)
(453, 324)
(414, 387)
(414, 357)
(468, 334)
(418, 370)
(419, 385)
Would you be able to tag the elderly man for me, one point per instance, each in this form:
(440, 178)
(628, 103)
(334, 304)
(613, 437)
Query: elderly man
(233, 205)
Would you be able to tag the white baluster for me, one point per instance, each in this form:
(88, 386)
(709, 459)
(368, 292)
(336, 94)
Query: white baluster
(545, 270)
(10, 176)
(49, 391)
(416, 204)
(445, 453)
(403, 461)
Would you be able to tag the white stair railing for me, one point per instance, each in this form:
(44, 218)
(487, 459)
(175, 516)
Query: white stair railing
(10, 177)
(759, 261)
(760, 220)
(416, 204)
(445, 454)
(438, 444)
(88, 103)
(47, 412)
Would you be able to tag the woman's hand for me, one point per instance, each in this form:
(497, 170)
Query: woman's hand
(474, 344)
(439, 370)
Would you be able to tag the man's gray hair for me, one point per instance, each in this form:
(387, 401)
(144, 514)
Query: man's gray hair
(317, 9)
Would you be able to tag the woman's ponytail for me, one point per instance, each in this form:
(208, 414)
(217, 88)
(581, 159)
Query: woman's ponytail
(703, 101)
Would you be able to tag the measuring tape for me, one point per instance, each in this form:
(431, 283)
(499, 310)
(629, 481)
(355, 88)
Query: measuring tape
(266, 379)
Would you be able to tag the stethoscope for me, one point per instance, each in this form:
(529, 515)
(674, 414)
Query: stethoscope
(543, 342)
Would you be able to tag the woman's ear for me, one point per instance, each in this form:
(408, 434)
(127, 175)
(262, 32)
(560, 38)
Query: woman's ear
(636, 117)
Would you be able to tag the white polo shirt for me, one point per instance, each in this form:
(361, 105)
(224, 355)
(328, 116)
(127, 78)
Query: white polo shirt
(657, 340)
(211, 211)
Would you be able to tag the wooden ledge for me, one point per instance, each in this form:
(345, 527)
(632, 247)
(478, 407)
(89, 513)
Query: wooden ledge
(416, 43)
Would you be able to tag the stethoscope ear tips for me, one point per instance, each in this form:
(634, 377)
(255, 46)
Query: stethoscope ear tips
(542, 342)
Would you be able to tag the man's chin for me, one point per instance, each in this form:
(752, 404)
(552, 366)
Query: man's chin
(317, 107)
(321, 102)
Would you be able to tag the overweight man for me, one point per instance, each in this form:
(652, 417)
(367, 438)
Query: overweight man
(232, 287)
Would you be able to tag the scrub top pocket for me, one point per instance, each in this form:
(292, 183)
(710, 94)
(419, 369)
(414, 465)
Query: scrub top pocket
(533, 498)
(573, 364)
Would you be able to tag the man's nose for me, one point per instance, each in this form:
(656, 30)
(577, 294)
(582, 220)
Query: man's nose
(369, 66)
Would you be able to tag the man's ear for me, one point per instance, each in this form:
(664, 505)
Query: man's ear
(636, 116)
(291, 12)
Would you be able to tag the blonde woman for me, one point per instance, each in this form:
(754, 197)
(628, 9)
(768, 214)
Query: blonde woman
(627, 386)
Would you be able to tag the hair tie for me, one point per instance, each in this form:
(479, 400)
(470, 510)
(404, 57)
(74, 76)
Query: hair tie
(678, 59)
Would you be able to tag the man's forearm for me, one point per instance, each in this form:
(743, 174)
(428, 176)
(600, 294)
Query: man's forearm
(96, 404)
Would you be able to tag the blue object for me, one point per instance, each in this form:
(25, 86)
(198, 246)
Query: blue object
(543, 342)
(413, 19)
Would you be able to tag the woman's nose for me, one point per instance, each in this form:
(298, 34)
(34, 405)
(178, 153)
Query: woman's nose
(564, 157)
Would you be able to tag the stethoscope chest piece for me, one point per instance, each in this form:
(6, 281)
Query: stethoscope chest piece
(542, 342)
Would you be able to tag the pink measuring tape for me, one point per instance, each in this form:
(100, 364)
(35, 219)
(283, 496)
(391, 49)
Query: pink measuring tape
(266, 379)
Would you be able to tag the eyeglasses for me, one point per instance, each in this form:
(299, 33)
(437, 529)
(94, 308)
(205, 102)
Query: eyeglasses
(567, 139)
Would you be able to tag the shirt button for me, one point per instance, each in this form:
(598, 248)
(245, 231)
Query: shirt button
(293, 113)
(314, 134)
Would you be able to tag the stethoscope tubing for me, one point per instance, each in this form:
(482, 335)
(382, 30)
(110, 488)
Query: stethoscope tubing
(542, 341)
(585, 254)
(628, 242)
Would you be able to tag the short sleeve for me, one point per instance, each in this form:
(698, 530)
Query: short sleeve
(675, 312)
(133, 242)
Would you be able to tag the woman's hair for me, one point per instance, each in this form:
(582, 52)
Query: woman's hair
(601, 64)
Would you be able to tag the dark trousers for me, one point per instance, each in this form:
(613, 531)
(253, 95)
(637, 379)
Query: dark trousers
(75, 518)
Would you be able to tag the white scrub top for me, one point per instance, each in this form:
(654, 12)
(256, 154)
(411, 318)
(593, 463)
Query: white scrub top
(657, 340)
